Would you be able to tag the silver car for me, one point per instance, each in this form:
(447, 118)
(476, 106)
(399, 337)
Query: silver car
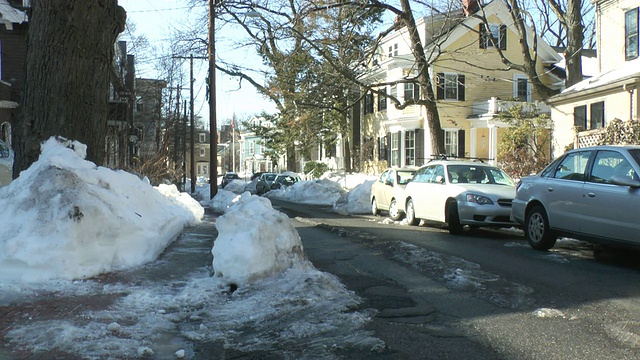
(589, 194)
(460, 193)
(388, 191)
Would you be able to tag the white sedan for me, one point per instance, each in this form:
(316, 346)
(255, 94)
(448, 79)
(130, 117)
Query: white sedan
(388, 191)
(460, 193)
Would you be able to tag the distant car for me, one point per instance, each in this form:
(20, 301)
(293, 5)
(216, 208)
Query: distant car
(284, 180)
(590, 194)
(229, 177)
(388, 191)
(6, 164)
(264, 183)
(256, 175)
(460, 193)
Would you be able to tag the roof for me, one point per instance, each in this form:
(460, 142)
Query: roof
(10, 15)
(627, 73)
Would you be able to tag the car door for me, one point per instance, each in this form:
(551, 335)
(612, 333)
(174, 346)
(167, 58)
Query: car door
(436, 195)
(610, 210)
(562, 191)
(382, 189)
(417, 189)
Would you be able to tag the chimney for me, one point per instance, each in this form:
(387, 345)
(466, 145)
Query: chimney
(469, 7)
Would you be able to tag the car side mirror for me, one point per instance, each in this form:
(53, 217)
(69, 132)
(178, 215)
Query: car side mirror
(388, 182)
(625, 181)
(440, 179)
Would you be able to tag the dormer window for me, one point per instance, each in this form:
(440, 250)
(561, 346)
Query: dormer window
(393, 50)
(631, 34)
(493, 34)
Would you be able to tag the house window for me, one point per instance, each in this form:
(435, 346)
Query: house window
(521, 89)
(631, 34)
(451, 142)
(493, 34)
(580, 117)
(411, 91)
(368, 103)
(597, 115)
(139, 104)
(395, 148)
(201, 152)
(393, 50)
(201, 138)
(382, 99)
(382, 148)
(252, 147)
(410, 148)
(450, 86)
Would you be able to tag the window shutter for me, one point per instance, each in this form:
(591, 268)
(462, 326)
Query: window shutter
(461, 80)
(400, 148)
(482, 39)
(503, 37)
(461, 148)
(416, 91)
(388, 149)
(440, 86)
(419, 148)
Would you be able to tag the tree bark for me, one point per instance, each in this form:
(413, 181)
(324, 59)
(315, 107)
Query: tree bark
(70, 48)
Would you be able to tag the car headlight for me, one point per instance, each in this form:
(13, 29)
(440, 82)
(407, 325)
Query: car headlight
(479, 199)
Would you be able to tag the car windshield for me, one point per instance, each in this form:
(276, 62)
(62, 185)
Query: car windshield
(404, 176)
(270, 177)
(478, 175)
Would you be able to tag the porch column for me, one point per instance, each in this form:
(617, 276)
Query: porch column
(473, 142)
(493, 144)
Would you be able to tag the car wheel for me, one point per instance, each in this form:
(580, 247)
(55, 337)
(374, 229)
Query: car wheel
(394, 212)
(536, 229)
(453, 219)
(411, 214)
(374, 207)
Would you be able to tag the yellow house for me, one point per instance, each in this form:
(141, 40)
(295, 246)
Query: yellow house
(472, 86)
(580, 111)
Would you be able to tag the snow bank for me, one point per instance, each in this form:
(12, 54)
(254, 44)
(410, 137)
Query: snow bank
(312, 192)
(66, 218)
(255, 241)
(355, 201)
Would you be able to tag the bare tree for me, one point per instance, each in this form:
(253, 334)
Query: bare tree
(70, 49)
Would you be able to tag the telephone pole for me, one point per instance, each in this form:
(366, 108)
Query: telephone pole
(213, 126)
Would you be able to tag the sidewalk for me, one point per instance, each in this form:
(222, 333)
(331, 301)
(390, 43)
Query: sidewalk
(191, 252)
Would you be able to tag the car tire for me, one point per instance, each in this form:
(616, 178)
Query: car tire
(536, 229)
(394, 211)
(411, 214)
(453, 219)
(374, 207)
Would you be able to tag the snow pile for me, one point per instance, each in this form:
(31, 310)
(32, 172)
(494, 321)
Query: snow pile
(255, 241)
(66, 218)
(236, 186)
(356, 201)
(312, 192)
(221, 202)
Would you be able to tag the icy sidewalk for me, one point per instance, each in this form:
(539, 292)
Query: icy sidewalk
(173, 308)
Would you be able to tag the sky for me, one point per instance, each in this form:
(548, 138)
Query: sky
(157, 18)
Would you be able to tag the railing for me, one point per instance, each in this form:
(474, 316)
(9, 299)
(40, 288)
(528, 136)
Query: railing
(494, 106)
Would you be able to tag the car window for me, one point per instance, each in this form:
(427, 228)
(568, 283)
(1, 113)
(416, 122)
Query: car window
(551, 168)
(270, 177)
(383, 176)
(438, 170)
(423, 174)
(573, 166)
(405, 176)
(391, 176)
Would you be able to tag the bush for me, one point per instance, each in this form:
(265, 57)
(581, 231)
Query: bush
(315, 168)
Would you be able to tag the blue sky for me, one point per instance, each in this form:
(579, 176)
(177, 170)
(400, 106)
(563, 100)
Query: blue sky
(156, 19)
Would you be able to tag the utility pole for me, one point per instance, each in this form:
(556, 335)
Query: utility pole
(213, 139)
(193, 130)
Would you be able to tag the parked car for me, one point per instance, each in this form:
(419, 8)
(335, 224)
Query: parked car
(460, 193)
(284, 180)
(256, 175)
(589, 194)
(388, 191)
(228, 177)
(6, 164)
(264, 182)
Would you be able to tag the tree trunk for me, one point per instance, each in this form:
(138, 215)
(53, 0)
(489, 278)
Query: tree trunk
(70, 49)
(428, 99)
(575, 38)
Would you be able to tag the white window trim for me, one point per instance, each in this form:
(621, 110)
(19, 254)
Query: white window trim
(444, 86)
(456, 145)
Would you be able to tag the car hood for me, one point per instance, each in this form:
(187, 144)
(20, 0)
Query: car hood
(490, 190)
